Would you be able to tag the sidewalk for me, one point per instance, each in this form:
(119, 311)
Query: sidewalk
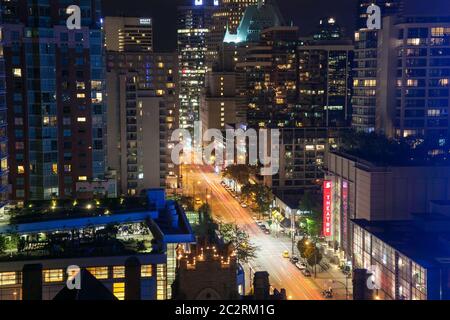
(333, 277)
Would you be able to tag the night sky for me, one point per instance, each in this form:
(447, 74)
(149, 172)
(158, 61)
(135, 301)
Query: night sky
(304, 13)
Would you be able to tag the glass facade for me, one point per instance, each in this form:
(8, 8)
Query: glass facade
(194, 27)
(365, 68)
(397, 276)
(423, 77)
(3, 132)
(50, 132)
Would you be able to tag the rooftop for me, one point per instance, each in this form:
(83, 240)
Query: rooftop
(143, 229)
(380, 151)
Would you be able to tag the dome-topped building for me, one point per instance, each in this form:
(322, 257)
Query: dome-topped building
(255, 19)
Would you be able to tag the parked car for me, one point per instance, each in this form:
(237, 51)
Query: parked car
(285, 254)
(266, 231)
(294, 259)
(300, 266)
(255, 218)
(306, 272)
(198, 201)
(243, 205)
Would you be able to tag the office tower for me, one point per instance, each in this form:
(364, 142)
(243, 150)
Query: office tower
(194, 39)
(3, 133)
(228, 17)
(365, 75)
(256, 18)
(270, 67)
(220, 101)
(54, 97)
(325, 77)
(413, 78)
(328, 29)
(130, 34)
(233, 10)
(142, 113)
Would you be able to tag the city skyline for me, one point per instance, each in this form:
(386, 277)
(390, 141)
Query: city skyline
(245, 150)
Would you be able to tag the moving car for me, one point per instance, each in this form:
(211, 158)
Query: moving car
(285, 254)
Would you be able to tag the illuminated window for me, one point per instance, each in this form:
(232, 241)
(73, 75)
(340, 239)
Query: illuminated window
(55, 168)
(118, 272)
(81, 119)
(159, 92)
(20, 169)
(160, 65)
(99, 272)
(119, 290)
(161, 282)
(437, 32)
(80, 85)
(82, 178)
(8, 278)
(146, 270)
(17, 72)
(67, 168)
(96, 85)
(81, 95)
(54, 275)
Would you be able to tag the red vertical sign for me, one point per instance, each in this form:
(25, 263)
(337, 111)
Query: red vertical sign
(327, 208)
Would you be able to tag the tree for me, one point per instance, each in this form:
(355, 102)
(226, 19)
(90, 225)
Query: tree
(301, 246)
(311, 217)
(240, 240)
(2, 244)
(313, 255)
(206, 227)
(259, 194)
(186, 202)
(309, 251)
(239, 172)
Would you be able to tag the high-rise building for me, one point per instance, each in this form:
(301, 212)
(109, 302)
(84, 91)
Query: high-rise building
(130, 34)
(328, 29)
(194, 44)
(142, 113)
(270, 68)
(256, 18)
(414, 78)
(3, 132)
(142, 99)
(234, 10)
(54, 97)
(220, 102)
(228, 17)
(325, 77)
(365, 67)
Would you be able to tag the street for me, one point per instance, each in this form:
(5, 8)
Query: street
(225, 208)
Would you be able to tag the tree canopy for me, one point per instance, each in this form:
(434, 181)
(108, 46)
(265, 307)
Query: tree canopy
(240, 240)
